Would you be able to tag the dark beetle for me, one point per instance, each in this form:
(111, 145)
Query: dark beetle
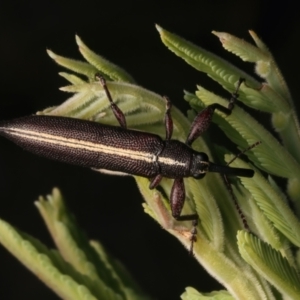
(120, 150)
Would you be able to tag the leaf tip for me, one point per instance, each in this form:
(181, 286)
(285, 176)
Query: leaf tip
(37, 203)
(51, 54)
(223, 36)
(64, 88)
(159, 29)
(252, 33)
(78, 40)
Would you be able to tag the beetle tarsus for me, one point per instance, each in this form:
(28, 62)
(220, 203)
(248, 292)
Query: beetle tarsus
(235, 95)
(193, 237)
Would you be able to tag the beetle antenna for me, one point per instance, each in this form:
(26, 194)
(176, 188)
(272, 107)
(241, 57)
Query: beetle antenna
(230, 171)
(243, 152)
(229, 188)
(226, 170)
(235, 202)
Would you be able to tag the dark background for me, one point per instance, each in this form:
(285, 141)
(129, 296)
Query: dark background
(123, 32)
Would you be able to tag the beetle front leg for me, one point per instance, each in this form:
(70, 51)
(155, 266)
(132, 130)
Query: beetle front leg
(177, 198)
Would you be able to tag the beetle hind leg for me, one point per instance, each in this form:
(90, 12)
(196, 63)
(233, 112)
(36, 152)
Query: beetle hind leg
(114, 107)
(168, 119)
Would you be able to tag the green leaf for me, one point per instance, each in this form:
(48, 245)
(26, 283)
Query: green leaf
(114, 72)
(274, 95)
(270, 264)
(252, 93)
(215, 67)
(79, 271)
(76, 249)
(192, 294)
(45, 264)
(74, 65)
(265, 65)
(272, 204)
(259, 223)
(241, 281)
(71, 78)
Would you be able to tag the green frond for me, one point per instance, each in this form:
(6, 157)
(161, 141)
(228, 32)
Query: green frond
(76, 249)
(107, 68)
(207, 208)
(272, 204)
(215, 67)
(274, 95)
(192, 294)
(49, 266)
(74, 65)
(258, 222)
(245, 264)
(75, 80)
(269, 263)
(206, 252)
(240, 47)
(265, 65)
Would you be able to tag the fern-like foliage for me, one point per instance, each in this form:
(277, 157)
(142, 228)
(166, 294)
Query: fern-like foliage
(251, 265)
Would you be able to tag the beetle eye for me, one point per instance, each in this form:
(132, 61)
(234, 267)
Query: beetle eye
(199, 165)
(199, 175)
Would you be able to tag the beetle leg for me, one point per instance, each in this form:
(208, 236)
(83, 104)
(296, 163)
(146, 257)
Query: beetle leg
(193, 237)
(200, 124)
(168, 119)
(114, 107)
(177, 198)
(235, 95)
(155, 181)
(203, 120)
